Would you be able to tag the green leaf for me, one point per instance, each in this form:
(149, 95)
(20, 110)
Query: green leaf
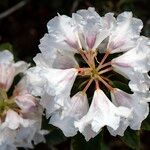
(146, 124)
(79, 143)
(6, 46)
(121, 86)
(55, 137)
(132, 139)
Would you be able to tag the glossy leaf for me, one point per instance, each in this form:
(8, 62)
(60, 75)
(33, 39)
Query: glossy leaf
(79, 143)
(132, 139)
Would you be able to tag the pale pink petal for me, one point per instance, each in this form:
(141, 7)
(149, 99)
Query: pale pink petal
(134, 102)
(127, 31)
(101, 113)
(76, 108)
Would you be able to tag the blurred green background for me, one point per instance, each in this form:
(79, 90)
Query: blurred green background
(23, 24)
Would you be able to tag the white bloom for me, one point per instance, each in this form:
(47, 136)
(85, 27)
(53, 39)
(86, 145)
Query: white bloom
(9, 69)
(137, 59)
(101, 113)
(22, 97)
(45, 76)
(126, 32)
(75, 109)
(140, 109)
(19, 113)
(85, 37)
(91, 28)
(134, 65)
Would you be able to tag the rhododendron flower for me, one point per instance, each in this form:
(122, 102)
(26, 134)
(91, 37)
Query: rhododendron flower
(87, 53)
(20, 114)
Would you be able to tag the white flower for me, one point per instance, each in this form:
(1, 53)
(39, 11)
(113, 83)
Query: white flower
(127, 30)
(137, 58)
(9, 69)
(22, 97)
(134, 65)
(20, 114)
(75, 109)
(101, 113)
(92, 29)
(72, 59)
(139, 107)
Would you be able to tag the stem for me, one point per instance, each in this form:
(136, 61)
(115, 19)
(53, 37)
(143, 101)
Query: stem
(105, 83)
(13, 9)
(88, 85)
(106, 70)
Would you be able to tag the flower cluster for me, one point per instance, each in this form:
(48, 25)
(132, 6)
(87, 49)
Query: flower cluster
(84, 62)
(20, 113)
(81, 57)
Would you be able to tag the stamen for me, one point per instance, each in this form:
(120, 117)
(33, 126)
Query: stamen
(88, 85)
(105, 70)
(78, 40)
(102, 61)
(97, 84)
(104, 58)
(105, 83)
(104, 65)
(105, 78)
(84, 57)
(90, 57)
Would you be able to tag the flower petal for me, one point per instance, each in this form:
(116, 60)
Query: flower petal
(127, 30)
(134, 102)
(90, 28)
(76, 108)
(102, 112)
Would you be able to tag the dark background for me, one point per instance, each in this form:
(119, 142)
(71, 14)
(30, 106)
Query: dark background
(26, 26)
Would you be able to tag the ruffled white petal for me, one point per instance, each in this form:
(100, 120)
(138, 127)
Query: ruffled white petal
(62, 33)
(101, 113)
(6, 57)
(76, 108)
(127, 31)
(56, 59)
(140, 109)
(23, 98)
(59, 81)
(91, 28)
(13, 120)
(138, 58)
(9, 69)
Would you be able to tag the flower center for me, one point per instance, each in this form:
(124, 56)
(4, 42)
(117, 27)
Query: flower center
(6, 103)
(95, 69)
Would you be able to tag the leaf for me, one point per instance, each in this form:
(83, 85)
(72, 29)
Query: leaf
(121, 86)
(79, 143)
(132, 139)
(146, 124)
(55, 137)
(6, 46)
